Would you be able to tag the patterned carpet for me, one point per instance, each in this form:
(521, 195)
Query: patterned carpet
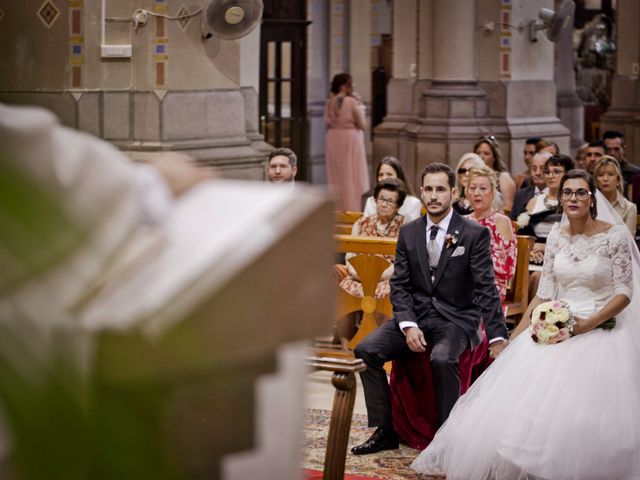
(389, 464)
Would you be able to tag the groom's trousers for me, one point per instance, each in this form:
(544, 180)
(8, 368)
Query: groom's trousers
(388, 343)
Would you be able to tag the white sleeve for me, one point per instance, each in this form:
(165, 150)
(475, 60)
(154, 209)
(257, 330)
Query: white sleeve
(155, 199)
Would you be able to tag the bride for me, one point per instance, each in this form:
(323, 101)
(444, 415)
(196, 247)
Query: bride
(569, 410)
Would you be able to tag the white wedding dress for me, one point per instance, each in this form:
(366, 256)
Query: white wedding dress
(564, 411)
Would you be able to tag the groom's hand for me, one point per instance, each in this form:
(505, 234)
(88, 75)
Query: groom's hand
(415, 340)
(496, 348)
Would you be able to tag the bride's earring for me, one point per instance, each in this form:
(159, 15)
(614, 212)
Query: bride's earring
(593, 210)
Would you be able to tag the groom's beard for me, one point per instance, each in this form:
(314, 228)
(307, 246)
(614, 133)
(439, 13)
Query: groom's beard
(437, 209)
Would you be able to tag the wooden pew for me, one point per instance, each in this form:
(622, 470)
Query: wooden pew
(344, 222)
(518, 294)
(369, 266)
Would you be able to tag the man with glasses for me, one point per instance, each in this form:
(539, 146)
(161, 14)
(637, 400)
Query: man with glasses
(538, 185)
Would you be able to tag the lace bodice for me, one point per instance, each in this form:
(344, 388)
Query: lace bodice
(586, 271)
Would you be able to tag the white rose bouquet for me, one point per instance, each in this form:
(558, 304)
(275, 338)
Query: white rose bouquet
(551, 322)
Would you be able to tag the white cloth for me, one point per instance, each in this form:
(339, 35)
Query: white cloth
(90, 187)
(410, 209)
(564, 411)
(542, 228)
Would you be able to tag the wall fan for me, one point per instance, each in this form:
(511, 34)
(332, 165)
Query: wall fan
(230, 19)
(552, 22)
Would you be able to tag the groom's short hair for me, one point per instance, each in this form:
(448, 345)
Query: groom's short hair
(438, 167)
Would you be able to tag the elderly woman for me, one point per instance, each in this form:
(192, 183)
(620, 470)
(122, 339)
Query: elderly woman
(466, 163)
(481, 191)
(489, 150)
(389, 194)
(609, 181)
(390, 167)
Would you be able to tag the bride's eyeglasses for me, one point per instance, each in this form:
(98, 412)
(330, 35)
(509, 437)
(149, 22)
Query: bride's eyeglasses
(581, 194)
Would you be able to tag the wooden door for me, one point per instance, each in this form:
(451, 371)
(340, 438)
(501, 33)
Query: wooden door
(283, 78)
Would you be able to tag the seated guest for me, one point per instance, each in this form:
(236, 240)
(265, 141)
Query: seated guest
(283, 166)
(390, 167)
(595, 151)
(390, 194)
(536, 187)
(581, 157)
(524, 179)
(548, 146)
(489, 150)
(466, 163)
(481, 188)
(542, 213)
(609, 181)
(614, 141)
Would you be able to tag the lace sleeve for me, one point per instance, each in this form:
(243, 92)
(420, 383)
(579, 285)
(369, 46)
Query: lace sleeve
(548, 288)
(621, 260)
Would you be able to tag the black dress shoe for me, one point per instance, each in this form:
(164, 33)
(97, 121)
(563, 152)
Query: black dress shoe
(382, 439)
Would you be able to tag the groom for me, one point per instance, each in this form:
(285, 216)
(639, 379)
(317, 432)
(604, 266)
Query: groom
(442, 288)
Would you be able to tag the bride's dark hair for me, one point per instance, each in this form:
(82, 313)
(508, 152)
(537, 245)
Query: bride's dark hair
(576, 173)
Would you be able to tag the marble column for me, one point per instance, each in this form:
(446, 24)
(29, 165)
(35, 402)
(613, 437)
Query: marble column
(570, 107)
(624, 112)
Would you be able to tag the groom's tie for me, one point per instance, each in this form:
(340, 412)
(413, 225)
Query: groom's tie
(433, 250)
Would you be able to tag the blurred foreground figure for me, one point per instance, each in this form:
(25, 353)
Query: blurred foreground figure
(137, 314)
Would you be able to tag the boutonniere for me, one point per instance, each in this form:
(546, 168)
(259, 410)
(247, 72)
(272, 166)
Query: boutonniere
(450, 240)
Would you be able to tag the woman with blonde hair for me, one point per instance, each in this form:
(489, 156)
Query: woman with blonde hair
(489, 150)
(481, 190)
(467, 162)
(609, 181)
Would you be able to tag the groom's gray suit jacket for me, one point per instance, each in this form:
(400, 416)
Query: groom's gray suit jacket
(463, 289)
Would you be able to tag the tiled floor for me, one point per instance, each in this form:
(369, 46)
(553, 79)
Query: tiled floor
(320, 391)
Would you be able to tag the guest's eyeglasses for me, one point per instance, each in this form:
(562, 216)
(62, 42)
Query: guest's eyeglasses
(462, 171)
(554, 172)
(386, 201)
(581, 194)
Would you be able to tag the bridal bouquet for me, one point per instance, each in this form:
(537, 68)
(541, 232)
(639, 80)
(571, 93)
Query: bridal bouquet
(551, 322)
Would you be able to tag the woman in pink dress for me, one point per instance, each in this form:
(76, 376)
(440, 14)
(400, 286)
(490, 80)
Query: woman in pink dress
(345, 157)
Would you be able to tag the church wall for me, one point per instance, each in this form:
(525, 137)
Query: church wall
(177, 91)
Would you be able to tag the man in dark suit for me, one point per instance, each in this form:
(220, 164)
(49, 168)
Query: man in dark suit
(525, 194)
(442, 287)
(614, 141)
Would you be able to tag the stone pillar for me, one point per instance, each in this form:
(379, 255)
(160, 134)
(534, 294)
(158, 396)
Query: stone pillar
(570, 107)
(318, 80)
(624, 112)
(360, 58)
(478, 73)
(174, 91)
